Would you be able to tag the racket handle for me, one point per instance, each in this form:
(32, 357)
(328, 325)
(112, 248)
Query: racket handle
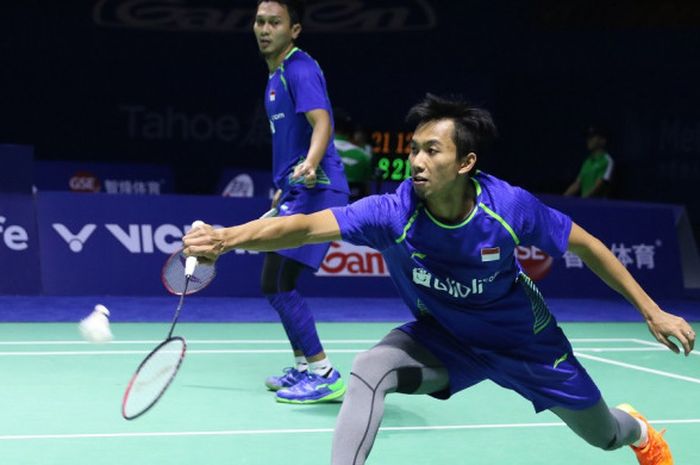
(270, 213)
(191, 262)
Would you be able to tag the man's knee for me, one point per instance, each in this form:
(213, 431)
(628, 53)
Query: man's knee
(382, 368)
(371, 367)
(363, 362)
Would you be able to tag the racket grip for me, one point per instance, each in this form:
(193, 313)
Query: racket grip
(191, 262)
(270, 213)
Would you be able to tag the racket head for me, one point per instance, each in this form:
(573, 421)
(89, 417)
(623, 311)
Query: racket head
(173, 275)
(153, 377)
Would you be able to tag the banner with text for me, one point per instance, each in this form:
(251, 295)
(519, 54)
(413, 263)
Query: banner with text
(102, 244)
(642, 236)
(109, 178)
(19, 246)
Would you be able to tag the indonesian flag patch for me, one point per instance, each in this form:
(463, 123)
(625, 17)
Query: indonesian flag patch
(272, 96)
(490, 254)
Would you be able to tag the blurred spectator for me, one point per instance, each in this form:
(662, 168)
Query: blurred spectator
(356, 161)
(595, 175)
(360, 137)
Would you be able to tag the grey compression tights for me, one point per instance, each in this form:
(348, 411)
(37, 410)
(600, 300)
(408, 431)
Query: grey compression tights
(400, 364)
(396, 364)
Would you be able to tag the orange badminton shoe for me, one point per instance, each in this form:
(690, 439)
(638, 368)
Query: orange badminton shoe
(656, 450)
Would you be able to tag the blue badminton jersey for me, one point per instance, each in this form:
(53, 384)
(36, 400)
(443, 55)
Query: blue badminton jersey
(464, 276)
(294, 88)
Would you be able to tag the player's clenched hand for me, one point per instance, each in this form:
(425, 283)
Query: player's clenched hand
(305, 171)
(204, 242)
(663, 325)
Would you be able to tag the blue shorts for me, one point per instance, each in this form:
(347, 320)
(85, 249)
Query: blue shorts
(299, 199)
(545, 372)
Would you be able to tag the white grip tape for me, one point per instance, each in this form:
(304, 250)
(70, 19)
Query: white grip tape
(270, 213)
(191, 262)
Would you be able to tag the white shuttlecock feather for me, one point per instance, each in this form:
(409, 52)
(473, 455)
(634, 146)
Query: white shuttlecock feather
(95, 327)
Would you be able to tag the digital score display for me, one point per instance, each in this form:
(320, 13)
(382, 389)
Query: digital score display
(391, 150)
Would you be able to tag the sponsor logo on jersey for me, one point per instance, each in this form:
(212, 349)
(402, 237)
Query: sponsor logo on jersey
(425, 278)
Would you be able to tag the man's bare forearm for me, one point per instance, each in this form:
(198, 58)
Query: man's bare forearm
(266, 234)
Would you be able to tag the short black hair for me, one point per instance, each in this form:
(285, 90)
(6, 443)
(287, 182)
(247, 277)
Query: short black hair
(295, 8)
(474, 127)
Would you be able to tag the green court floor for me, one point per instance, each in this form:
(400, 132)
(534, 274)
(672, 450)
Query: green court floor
(60, 402)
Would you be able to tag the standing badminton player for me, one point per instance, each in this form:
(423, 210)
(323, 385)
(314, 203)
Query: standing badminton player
(448, 235)
(308, 175)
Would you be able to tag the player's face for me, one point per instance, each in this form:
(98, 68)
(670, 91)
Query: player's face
(435, 167)
(273, 29)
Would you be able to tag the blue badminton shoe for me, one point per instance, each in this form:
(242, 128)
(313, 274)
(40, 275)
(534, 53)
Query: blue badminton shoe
(290, 377)
(313, 389)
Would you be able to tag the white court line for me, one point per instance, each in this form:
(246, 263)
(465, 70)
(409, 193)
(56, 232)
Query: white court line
(264, 341)
(602, 339)
(658, 344)
(647, 343)
(637, 367)
(144, 352)
(67, 353)
(189, 341)
(620, 349)
(24, 437)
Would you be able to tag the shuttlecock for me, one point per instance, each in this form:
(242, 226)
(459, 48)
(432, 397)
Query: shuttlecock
(95, 327)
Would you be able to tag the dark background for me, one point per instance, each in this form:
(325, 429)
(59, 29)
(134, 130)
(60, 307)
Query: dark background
(180, 82)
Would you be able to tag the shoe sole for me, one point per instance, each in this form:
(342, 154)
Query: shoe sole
(334, 396)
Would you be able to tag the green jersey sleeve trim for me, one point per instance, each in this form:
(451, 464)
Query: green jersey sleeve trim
(291, 52)
(282, 78)
(413, 217)
(498, 218)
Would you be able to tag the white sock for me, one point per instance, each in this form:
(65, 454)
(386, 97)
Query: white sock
(321, 367)
(644, 436)
(302, 364)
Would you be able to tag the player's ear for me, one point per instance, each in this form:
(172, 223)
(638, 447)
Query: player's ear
(466, 164)
(296, 30)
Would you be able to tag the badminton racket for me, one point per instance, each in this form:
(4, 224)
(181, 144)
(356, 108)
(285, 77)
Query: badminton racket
(157, 371)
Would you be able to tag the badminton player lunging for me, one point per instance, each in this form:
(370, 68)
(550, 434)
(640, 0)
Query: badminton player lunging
(309, 177)
(448, 235)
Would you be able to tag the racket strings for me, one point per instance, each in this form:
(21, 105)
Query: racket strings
(174, 275)
(153, 377)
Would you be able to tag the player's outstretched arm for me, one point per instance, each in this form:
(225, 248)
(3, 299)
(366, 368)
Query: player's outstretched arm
(266, 234)
(608, 268)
